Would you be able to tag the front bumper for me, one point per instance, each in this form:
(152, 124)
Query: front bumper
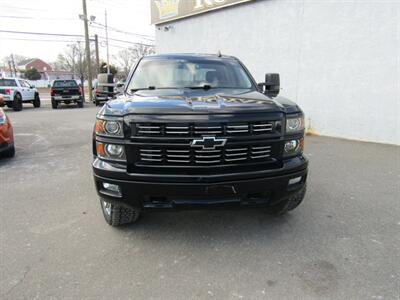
(157, 192)
(103, 98)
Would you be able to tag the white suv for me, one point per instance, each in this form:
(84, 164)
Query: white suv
(16, 91)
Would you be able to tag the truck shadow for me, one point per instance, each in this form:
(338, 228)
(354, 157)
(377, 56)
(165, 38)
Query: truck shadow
(202, 227)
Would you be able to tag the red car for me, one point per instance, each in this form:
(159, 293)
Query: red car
(7, 148)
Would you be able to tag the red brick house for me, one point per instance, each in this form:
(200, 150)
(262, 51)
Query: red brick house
(36, 63)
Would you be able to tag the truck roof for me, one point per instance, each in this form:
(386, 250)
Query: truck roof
(11, 78)
(190, 56)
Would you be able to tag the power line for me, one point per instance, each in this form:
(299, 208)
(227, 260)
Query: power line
(25, 8)
(125, 32)
(70, 35)
(41, 33)
(41, 40)
(128, 42)
(39, 18)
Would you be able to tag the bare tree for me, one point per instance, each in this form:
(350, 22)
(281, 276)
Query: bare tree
(17, 59)
(127, 57)
(66, 61)
(124, 60)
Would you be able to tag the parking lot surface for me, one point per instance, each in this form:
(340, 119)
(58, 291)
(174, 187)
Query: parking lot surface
(343, 242)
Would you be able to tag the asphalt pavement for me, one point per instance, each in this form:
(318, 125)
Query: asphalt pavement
(343, 242)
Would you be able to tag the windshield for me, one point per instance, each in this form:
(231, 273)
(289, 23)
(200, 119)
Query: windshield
(7, 82)
(65, 83)
(186, 73)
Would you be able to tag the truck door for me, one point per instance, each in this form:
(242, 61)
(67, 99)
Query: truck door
(31, 91)
(24, 90)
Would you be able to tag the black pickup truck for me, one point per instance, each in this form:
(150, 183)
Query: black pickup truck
(194, 131)
(66, 91)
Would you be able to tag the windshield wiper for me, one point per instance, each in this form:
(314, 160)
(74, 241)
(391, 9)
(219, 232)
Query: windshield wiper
(200, 87)
(140, 89)
(207, 87)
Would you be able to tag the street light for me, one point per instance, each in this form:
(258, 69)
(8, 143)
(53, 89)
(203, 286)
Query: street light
(91, 18)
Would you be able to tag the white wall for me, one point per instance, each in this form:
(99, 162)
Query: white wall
(339, 60)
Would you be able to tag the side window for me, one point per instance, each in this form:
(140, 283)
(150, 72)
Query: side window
(27, 84)
(21, 83)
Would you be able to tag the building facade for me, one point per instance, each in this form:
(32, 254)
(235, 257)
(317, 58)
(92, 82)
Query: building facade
(339, 60)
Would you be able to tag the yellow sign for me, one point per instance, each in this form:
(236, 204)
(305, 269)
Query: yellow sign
(167, 10)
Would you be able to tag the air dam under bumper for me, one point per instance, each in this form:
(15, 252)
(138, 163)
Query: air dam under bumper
(266, 190)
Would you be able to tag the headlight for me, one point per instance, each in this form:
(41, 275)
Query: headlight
(110, 151)
(109, 128)
(293, 147)
(294, 124)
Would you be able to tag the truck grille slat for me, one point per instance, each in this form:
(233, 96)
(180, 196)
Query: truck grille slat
(151, 159)
(150, 155)
(235, 154)
(236, 159)
(260, 152)
(208, 156)
(207, 161)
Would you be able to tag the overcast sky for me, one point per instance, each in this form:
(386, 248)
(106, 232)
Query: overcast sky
(62, 16)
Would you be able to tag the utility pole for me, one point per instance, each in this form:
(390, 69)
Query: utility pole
(108, 56)
(87, 44)
(9, 67)
(96, 42)
(73, 62)
(13, 65)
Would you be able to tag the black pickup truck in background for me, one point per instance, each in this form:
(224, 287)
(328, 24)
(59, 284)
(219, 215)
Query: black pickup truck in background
(66, 91)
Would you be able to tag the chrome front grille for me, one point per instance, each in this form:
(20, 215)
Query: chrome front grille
(186, 156)
(195, 129)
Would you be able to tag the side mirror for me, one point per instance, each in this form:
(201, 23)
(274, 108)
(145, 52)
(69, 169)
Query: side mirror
(271, 86)
(32, 86)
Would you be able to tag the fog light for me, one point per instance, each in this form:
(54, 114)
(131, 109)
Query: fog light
(112, 187)
(291, 146)
(114, 150)
(294, 180)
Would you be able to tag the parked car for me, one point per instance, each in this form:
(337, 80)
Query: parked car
(119, 86)
(104, 89)
(66, 91)
(196, 131)
(7, 148)
(16, 91)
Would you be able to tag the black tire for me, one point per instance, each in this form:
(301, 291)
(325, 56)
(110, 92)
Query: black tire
(54, 104)
(289, 204)
(97, 102)
(36, 101)
(17, 103)
(116, 215)
(10, 152)
(80, 103)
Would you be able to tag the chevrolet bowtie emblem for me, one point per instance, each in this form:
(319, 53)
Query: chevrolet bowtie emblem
(208, 143)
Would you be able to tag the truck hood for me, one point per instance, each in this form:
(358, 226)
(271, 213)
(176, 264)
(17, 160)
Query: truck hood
(187, 101)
